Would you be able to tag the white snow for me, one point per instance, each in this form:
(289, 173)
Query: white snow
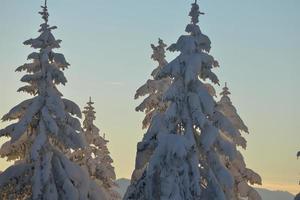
(189, 147)
(95, 158)
(45, 127)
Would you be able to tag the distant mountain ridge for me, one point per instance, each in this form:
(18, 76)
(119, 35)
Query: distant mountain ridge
(123, 184)
(274, 195)
(265, 193)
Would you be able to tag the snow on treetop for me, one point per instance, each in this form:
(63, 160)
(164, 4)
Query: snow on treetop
(159, 52)
(195, 13)
(225, 91)
(196, 40)
(45, 13)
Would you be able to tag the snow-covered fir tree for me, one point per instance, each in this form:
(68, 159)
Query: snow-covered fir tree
(95, 158)
(243, 176)
(44, 127)
(186, 139)
(153, 104)
(154, 89)
(184, 148)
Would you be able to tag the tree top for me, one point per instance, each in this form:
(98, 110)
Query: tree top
(90, 102)
(225, 91)
(45, 13)
(195, 13)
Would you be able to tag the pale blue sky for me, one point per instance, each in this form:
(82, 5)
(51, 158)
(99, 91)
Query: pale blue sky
(108, 45)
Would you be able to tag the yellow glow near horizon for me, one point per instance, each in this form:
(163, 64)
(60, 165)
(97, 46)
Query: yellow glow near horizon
(294, 189)
(123, 173)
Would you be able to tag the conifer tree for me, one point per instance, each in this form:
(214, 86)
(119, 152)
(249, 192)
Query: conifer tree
(153, 103)
(44, 127)
(242, 175)
(192, 137)
(95, 158)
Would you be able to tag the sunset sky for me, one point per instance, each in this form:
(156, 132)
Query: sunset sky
(257, 44)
